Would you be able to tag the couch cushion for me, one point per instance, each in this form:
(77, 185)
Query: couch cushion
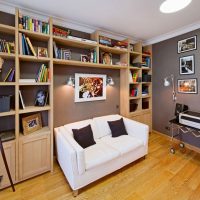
(81, 124)
(102, 124)
(99, 154)
(117, 128)
(84, 136)
(123, 144)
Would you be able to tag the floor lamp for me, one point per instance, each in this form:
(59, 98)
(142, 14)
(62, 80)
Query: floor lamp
(167, 82)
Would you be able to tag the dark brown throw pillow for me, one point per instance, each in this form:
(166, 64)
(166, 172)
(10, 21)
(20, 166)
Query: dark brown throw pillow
(84, 136)
(117, 128)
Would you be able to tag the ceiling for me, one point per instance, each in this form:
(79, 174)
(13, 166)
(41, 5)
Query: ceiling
(137, 18)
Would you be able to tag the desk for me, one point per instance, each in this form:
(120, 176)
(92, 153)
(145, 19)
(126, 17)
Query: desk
(181, 128)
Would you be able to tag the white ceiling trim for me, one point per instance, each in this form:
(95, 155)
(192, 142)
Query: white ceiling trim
(10, 8)
(177, 32)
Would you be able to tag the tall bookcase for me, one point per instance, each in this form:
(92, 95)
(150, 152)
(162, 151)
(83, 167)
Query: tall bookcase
(31, 155)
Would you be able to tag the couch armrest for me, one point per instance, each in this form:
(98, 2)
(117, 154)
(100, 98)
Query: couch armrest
(80, 155)
(137, 129)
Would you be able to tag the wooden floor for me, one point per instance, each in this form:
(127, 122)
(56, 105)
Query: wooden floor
(161, 176)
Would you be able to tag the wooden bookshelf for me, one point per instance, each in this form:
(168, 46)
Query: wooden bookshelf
(18, 146)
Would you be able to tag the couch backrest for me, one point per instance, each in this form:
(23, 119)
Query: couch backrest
(81, 124)
(102, 124)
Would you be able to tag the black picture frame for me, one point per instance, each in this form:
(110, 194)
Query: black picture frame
(187, 68)
(185, 45)
(188, 80)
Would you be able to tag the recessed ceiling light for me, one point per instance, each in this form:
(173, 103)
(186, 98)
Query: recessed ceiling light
(171, 6)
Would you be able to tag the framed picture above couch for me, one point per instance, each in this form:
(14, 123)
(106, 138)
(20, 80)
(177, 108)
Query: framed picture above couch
(90, 87)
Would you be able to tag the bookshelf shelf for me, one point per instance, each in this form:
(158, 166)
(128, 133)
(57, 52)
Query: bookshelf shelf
(86, 64)
(11, 112)
(43, 131)
(138, 97)
(134, 68)
(146, 96)
(146, 68)
(112, 49)
(33, 58)
(35, 35)
(30, 109)
(135, 53)
(146, 83)
(146, 55)
(74, 43)
(36, 83)
(7, 29)
(10, 56)
(7, 83)
(135, 83)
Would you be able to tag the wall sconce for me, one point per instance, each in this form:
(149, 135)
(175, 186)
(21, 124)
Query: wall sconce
(110, 81)
(167, 83)
(71, 81)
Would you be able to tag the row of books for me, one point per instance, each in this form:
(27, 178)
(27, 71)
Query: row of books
(10, 76)
(28, 23)
(134, 92)
(41, 98)
(43, 74)
(61, 53)
(7, 47)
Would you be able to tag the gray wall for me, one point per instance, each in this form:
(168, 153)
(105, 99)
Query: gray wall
(166, 62)
(66, 110)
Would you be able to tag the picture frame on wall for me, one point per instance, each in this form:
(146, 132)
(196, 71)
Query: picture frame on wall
(187, 65)
(187, 86)
(187, 44)
(90, 87)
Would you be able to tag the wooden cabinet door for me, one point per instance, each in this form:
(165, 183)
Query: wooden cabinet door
(9, 148)
(34, 155)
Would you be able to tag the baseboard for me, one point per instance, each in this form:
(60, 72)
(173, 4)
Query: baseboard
(188, 146)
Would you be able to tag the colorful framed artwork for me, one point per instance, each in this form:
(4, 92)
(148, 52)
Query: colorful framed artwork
(90, 87)
(187, 86)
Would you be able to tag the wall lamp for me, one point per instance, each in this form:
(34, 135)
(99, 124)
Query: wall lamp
(167, 82)
(110, 81)
(71, 81)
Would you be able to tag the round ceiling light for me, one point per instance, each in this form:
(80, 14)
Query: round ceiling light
(171, 6)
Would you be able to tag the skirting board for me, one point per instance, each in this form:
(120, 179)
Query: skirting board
(189, 146)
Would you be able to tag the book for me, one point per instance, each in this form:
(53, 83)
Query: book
(27, 50)
(20, 44)
(11, 76)
(27, 81)
(55, 50)
(31, 46)
(21, 100)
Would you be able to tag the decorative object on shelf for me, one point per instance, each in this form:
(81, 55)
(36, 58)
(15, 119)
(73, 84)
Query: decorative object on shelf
(71, 81)
(187, 44)
(187, 65)
(105, 41)
(28, 23)
(84, 58)
(120, 44)
(5, 103)
(7, 47)
(31, 123)
(130, 77)
(42, 52)
(7, 135)
(22, 105)
(41, 98)
(106, 58)
(60, 32)
(1, 64)
(167, 83)
(61, 53)
(146, 62)
(110, 81)
(90, 87)
(187, 86)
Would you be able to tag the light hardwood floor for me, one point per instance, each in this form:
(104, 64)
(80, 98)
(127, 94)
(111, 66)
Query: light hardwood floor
(161, 176)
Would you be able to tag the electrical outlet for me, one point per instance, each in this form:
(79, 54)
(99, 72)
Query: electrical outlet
(167, 128)
(1, 178)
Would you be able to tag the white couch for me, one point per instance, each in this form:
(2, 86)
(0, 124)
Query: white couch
(84, 166)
